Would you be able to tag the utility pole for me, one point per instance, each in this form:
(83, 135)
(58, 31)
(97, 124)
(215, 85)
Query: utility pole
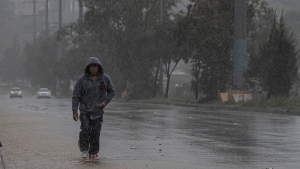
(240, 46)
(59, 42)
(80, 10)
(60, 14)
(80, 21)
(80, 17)
(73, 5)
(34, 19)
(47, 18)
(161, 85)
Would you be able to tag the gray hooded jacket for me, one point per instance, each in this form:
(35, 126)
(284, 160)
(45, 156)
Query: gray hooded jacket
(89, 93)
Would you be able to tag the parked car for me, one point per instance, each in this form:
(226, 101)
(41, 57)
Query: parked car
(15, 92)
(44, 92)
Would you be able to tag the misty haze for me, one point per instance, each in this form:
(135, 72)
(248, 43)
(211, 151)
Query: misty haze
(198, 84)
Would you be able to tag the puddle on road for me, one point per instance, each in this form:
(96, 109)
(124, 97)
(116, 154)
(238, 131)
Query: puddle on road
(82, 162)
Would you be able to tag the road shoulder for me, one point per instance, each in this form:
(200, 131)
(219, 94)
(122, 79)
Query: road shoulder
(215, 106)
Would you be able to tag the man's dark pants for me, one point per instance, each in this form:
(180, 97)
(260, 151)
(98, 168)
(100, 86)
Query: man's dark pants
(89, 135)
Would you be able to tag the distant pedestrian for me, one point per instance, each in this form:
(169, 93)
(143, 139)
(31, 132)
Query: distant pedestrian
(92, 92)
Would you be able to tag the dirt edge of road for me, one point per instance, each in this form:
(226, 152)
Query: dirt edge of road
(1, 163)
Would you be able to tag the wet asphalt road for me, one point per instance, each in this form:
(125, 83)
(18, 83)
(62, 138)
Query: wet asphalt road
(40, 133)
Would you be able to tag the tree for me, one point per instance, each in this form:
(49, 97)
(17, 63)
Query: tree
(274, 68)
(40, 62)
(7, 26)
(259, 25)
(120, 34)
(11, 64)
(207, 32)
(292, 20)
(167, 47)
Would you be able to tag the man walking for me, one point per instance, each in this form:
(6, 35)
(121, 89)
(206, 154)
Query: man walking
(92, 92)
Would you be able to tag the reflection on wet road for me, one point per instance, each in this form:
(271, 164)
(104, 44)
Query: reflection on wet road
(214, 139)
(136, 135)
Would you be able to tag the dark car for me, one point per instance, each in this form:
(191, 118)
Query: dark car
(15, 92)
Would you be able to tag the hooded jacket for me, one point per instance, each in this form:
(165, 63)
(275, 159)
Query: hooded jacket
(89, 93)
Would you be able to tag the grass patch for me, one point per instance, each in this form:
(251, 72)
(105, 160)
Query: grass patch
(170, 100)
(280, 102)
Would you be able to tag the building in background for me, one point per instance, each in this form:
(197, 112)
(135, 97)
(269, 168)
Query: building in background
(25, 8)
(70, 13)
(7, 8)
(23, 20)
(20, 24)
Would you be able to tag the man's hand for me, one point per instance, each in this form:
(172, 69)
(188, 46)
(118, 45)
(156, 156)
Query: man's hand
(102, 105)
(75, 117)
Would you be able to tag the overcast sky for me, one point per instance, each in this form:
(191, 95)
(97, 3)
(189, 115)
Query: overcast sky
(285, 5)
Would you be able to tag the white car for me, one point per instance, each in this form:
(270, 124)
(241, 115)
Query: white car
(44, 92)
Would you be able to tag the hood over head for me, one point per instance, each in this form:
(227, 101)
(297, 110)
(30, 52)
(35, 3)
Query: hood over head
(93, 60)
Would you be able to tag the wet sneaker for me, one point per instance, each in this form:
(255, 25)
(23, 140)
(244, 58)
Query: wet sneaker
(94, 157)
(84, 155)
